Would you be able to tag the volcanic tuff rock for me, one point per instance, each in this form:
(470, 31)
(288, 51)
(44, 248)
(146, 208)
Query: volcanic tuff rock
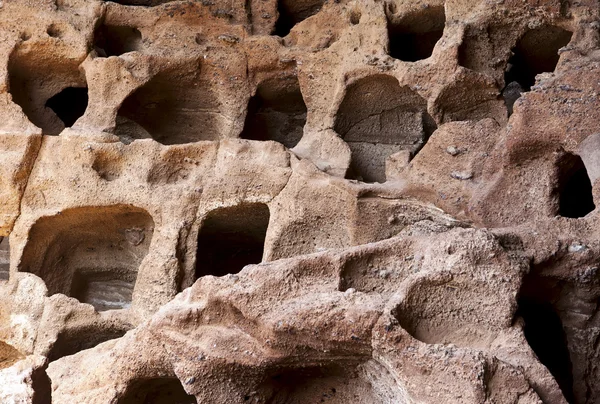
(310, 201)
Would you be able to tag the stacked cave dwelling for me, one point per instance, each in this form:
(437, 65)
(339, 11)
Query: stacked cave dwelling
(299, 201)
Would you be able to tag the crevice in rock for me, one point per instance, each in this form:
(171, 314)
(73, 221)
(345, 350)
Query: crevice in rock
(413, 37)
(92, 254)
(159, 390)
(276, 112)
(69, 341)
(378, 118)
(171, 111)
(535, 53)
(291, 12)
(52, 92)
(113, 40)
(575, 198)
(544, 330)
(42, 387)
(4, 258)
(231, 238)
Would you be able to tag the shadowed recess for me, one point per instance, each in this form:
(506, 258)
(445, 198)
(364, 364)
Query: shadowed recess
(535, 53)
(52, 92)
(113, 40)
(277, 112)
(378, 118)
(174, 107)
(92, 254)
(160, 390)
(291, 12)
(413, 37)
(574, 187)
(544, 330)
(71, 341)
(231, 238)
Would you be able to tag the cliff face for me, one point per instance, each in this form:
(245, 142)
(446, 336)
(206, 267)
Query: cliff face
(261, 201)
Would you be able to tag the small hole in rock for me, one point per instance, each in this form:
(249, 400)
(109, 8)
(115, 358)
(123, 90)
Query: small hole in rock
(112, 40)
(413, 37)
(69, 105)
(291, 12)
(54, 31)
(355, 16)
(535, 53)
(277, 112)
(160, 390)
(574, 188)
(231, 238)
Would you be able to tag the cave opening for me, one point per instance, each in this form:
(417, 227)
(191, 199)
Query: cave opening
(276, 112)
(536, 52)
(414, 37)
(159, 390)
(69, 104)
(544, 330)
(574, 188)
(377, 118)
(291, 12)
(231, 238)
(92, 253)
(113, 40)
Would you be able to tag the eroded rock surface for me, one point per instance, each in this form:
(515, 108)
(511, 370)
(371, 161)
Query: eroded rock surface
(277, 201)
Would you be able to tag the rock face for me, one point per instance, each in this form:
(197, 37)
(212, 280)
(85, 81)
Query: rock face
(310, 201)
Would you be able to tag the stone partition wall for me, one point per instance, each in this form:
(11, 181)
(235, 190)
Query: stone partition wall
(299, 201)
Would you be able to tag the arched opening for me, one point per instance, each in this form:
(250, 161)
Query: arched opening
(171, 111)
(52, 92)
(413, 37)
(92, 254)
(543, 329)
(113, 40)
(231, 238)
(535, 53)
(71, 341)
(575, 198)
(4, 258)
(291, 12)
(277, 112)
(159, 390)
(378, 118)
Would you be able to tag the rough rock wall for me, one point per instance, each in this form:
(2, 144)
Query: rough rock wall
(261, 201)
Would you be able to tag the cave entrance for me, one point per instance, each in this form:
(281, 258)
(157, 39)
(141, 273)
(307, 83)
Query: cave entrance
(69, 104)
(159, 390)
(574, 188)
(535, 53)
(291, 12)
(544, 330)
(113, 40)
(277, 112)
(231, 238)
(92, 253)
(413, 37)
(378, 118)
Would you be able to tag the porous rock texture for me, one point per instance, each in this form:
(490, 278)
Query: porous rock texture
(299, 201)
